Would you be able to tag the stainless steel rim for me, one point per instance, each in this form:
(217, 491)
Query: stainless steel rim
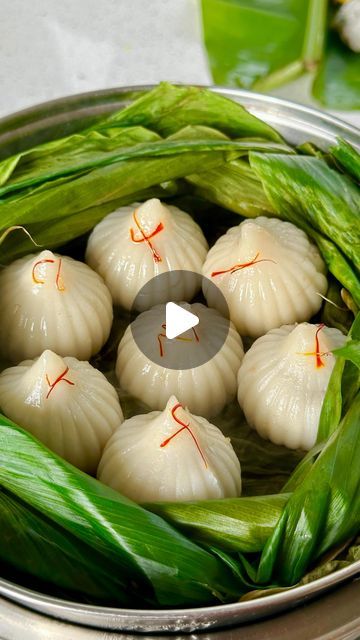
(174, 620)
(297, 123)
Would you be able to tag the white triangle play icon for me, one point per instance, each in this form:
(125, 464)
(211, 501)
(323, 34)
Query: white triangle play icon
(178, 320)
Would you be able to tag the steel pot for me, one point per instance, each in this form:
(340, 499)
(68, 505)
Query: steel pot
(297, 124)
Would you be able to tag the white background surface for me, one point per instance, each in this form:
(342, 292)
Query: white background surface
(54, 48)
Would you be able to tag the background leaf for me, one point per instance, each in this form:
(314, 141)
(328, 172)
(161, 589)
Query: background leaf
(247, 40)
(337, 84)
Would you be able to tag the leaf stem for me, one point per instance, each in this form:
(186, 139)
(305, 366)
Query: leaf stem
(281, 76)
(314, 37)
(312, 49)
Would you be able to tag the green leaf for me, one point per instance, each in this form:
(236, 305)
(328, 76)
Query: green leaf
(325, 566)
(324, 509)
(337, 84)
(329, 201)
(324, 203)
(342, 387)
(235, 186)
(302, 468)
(338, 265)
(236, 34)
(58, 209)
(332, 405)
(54, 233)
(157, 563)
(80, 154)
(36, 546)
(68, 155)
(351, 351)
(102, 185)
(347, 157)
(239, 524)
(168, 108)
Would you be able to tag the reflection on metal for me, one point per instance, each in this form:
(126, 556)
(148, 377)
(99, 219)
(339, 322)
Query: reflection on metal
(335, 616)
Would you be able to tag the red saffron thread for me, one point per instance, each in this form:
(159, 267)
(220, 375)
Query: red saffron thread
(60, 378)
(237, 267)
(317, 353)
(319, 362)
(184, 427)
(58, 281)
(163, 335)
(33, 274)
(145, 238)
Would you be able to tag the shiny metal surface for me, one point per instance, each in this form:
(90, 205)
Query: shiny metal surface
(335, 616)
(176, 620)
(298, 124)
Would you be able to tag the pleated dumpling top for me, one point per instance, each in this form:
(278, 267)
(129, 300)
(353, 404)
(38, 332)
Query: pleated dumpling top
(154, 373)
(52, 302)
(67, 404)
(269, 273)
(170, 455)
(283, 381)
(138, 242)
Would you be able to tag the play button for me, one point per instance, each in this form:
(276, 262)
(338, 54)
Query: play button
(178, 320)
(179, 335)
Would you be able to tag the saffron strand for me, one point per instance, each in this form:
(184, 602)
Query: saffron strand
(317, 353)
(146, 238)
(33, 273)
(58, 280)
(60, 378)
(184, 427)
(238, 267)
(319, 362)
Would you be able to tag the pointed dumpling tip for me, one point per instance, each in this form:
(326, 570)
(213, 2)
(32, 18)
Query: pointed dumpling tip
(46, 254)
(255, 236)
(50, 363)
(171, 403)
(151, 211)
(303, 337)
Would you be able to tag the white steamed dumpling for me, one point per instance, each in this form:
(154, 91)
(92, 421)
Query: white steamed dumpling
(135, 243)
(205, 389)
(67, 404)
(269, 273)
(283, 381)
(52, 302)
(170, 455)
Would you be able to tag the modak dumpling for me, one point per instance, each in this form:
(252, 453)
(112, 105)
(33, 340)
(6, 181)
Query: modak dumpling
(67, 404)
(170, 455)
(135, 243)
(269, 273)
(283, 380)
(52, 302)
(199, 367)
